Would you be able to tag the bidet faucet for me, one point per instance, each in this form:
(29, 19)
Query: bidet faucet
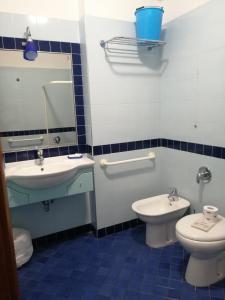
(40, 156)
(173, 195)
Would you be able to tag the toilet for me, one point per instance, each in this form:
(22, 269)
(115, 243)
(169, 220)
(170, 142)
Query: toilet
(207, 250)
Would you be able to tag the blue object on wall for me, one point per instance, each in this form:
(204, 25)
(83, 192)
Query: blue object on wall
(30, 50)
(149, 22)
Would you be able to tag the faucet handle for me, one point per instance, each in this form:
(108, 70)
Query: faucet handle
(40, 151)
(173, 190)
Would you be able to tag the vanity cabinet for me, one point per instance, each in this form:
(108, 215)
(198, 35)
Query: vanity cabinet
(82, 182)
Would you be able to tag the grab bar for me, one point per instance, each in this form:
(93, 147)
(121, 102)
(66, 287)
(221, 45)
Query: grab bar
(26, 140)
(105, 163)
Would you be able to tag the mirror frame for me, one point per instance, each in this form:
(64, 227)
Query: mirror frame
(11, 43)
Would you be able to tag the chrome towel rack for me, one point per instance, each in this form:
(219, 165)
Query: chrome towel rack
(105, 163)
(41, 138)
(120, 44)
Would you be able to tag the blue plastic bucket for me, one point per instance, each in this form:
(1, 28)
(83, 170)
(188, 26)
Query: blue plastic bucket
(149, 22)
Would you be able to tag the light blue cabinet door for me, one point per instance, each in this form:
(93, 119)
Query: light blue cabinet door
(82, 182)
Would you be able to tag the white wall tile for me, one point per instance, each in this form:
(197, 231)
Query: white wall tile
(53, 29)
(180, 168)
(117, 187)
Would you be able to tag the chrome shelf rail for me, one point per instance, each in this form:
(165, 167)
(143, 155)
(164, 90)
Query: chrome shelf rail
(133, 43)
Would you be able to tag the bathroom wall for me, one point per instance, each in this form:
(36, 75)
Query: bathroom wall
(42, 28)
(124, 109)
(124, 10)
(193, 103)
(123, 97)
(66, 10)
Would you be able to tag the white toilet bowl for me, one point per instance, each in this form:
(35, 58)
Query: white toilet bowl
(207, 261)
(160, 215)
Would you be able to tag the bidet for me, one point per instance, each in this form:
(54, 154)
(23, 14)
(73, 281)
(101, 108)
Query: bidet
(160, 215)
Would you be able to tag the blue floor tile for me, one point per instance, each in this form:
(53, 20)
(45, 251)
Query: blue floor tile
(117, 267)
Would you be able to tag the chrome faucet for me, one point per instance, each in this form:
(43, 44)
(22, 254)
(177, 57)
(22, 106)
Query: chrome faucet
(40, 157)
(173, 195)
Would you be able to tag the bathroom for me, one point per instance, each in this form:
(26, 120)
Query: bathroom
(164, 104)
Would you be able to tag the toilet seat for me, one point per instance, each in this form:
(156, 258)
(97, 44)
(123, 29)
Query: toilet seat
(184, 228)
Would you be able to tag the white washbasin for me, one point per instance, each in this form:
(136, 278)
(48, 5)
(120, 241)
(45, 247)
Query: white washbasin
(53, 171)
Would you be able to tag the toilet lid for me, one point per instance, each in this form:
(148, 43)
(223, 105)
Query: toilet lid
(184, 228)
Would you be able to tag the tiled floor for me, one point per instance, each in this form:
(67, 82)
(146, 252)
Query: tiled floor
(117, 267)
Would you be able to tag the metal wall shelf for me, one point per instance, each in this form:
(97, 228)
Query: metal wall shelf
(111, 44)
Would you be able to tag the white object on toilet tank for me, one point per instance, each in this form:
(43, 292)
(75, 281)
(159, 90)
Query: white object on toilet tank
(210, 213)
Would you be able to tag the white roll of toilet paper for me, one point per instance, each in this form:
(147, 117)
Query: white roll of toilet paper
(210, 212)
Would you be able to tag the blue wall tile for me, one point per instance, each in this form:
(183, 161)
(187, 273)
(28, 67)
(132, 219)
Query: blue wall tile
(23, 155)
(131, 146)
(44, 46)
(139, 145)
(18, 43)
(98, 150)
(78, 90)
(106, 149)
(75, 48)
(199, 148)
(207, 150)
(115, 148)
(76, 59)
(217, 152)
(10, 157)
(79, 110)
(123, 147)
(9, 43)
(55, 46)
(78, 80)
(191, 147)
(81, 140)
(77, 71)
(65, 47)
(146, 144)
(79, 99)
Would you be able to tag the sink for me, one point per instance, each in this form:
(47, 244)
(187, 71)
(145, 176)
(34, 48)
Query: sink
(53, 171)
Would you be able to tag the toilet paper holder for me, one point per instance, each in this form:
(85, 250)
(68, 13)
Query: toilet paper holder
(204, 175)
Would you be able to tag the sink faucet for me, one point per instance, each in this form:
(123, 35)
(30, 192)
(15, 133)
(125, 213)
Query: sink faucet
(40, 156)
(173, 195)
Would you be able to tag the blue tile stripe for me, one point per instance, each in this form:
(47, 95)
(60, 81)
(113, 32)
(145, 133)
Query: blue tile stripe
(10, 157)
(208, 150)
(36, 131)
(202, 149)
(9, 43)
(129, 146)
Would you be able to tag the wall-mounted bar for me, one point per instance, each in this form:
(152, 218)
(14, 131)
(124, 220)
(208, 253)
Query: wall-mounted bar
(105, 163)
(26, 140)
(129, 45)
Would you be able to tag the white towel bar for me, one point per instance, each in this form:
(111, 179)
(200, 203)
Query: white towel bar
(26, 140)
(105, 163)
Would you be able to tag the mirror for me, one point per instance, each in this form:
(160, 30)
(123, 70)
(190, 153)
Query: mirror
(37, 101)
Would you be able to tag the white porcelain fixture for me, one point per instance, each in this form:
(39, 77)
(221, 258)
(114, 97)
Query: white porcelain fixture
(207, 261)
(160, 215)
(53, 171)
